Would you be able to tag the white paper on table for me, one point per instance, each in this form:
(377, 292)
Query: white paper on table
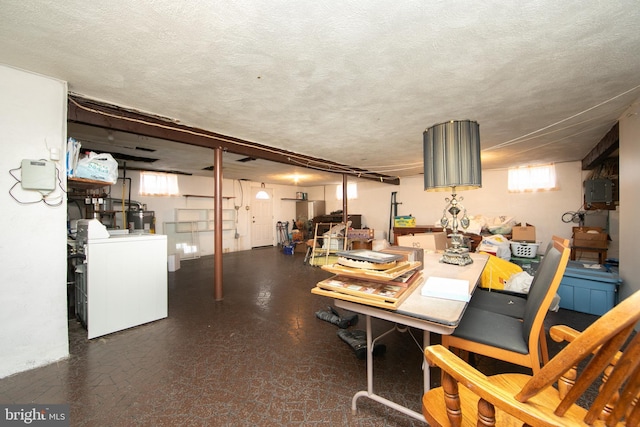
(440, 287)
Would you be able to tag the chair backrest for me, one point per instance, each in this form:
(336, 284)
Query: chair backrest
(603, 343)
(543, 288)
(554, 238)
(561, 240)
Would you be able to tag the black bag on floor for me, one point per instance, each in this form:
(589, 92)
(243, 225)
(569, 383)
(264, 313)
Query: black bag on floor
(357, 340)
(332, 316)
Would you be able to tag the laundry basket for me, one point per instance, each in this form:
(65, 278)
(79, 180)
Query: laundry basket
(524, 249)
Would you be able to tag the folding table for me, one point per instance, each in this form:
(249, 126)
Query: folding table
(426, 313)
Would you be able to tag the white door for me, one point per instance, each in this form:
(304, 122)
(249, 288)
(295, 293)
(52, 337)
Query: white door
(261, 218)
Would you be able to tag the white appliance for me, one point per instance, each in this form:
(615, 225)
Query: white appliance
(123, 281)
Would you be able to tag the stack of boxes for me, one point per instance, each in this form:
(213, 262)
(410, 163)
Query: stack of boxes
(588, 287)
(524, 249)
(523, 241)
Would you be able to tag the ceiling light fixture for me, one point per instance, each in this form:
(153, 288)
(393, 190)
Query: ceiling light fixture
(452, 163)
(262, 194)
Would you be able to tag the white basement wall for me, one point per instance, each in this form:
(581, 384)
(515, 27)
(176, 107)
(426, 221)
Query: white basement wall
(630, 200)
(33, 311)
(543, 209)
(33, 296)
(236, 204)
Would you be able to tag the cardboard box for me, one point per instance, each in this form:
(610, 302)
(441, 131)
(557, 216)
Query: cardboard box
(404, 221)
(364, 234)
(523, 233)
(410, 254)
(428, 241)
(361, 244)
(590, 239)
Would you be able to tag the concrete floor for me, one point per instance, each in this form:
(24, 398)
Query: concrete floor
(260, 357)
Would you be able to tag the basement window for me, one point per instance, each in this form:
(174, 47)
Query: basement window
(532, 178)
(352, 191)
(158, 184)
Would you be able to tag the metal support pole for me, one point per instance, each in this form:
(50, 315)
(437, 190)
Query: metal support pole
(392, 215)
(217, 226)
(344, 200)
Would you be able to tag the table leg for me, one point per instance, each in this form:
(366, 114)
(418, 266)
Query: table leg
(369, 391)
(426, 341)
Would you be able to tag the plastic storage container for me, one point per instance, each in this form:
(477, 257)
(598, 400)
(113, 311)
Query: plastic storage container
(588, 290)
(530, 265)
(524, 249)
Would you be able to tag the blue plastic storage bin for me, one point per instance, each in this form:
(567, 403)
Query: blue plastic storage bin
(588, 290)
(288, 249)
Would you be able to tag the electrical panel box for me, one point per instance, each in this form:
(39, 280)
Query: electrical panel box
(598, 191)
(38, 175)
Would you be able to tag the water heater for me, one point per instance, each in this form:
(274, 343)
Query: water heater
(141, 221)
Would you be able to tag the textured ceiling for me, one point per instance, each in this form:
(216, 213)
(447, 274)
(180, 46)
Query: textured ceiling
(352, 82)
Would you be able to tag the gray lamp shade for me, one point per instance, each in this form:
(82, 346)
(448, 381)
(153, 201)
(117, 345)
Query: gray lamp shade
(452, 156)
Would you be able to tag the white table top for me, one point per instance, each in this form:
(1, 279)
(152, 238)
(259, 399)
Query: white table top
(428, 313)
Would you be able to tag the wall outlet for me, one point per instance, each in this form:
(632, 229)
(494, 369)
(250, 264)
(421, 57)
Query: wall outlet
(54, 154)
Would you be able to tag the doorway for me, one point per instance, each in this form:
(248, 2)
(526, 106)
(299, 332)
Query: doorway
(261, 218)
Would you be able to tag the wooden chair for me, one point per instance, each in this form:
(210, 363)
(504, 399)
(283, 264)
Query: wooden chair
(505, 303)
(512, 305)
(469, 398)
(507, 338)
